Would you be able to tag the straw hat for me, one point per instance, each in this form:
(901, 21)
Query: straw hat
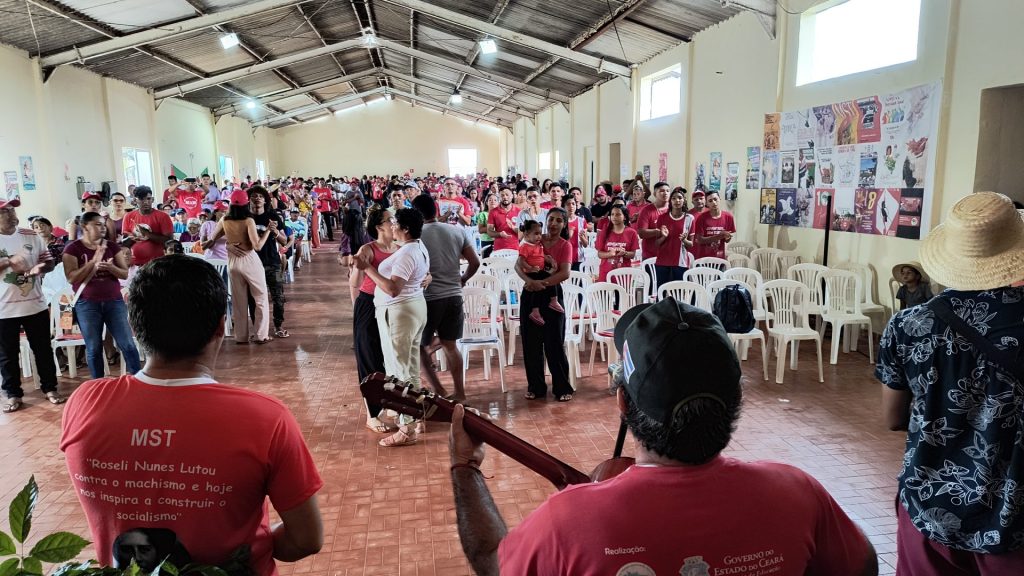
(980, 245)
(913, 264)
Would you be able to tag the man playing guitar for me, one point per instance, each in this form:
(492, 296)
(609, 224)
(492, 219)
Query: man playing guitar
(683, 508)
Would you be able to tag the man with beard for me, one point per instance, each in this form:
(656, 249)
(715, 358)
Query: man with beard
(501, 223)
(259, 201)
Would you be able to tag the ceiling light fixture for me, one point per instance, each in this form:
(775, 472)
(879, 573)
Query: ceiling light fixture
(388, 96)
(229, 40)
(249, 104)
(456, 98)
(488, 46)
(369, 37)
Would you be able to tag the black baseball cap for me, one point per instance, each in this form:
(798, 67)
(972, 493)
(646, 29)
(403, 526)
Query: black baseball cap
(673, 353)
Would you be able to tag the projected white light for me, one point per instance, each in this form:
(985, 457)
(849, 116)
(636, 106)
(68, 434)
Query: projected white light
(250, 105)
(488, 46)
(456, 98)
(229, 40)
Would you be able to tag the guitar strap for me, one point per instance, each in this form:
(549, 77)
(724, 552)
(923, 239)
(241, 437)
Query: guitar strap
(620, 440)
(1009, 361)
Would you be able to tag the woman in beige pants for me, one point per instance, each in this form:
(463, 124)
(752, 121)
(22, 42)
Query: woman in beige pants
(401, 310)
(245, 268)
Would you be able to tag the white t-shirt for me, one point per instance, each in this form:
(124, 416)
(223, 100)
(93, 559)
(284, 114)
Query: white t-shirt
(541, 217)
(21, 296)
(410, 263)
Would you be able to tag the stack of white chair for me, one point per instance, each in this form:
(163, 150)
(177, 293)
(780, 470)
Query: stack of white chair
(601, 300)
(481, 331)
(843, 309)
(763, 259)
(788, 323)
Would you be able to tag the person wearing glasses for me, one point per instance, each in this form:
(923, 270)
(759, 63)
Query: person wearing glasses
(118, 209)
(533, 211)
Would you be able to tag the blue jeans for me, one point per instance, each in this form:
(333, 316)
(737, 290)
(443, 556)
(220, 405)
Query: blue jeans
(92, 316)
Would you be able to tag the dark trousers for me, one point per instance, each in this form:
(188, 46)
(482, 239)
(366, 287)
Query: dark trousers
(486, 248)
(668, 274)
(37, 330)
(275, 292)
(329, 224)
(369, 357)
(547, 341)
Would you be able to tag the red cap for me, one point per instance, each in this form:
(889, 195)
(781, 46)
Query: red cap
(697, 194)
(222, 205)
(91, 196)
(239, 198)
(12, 203)
(617, 188)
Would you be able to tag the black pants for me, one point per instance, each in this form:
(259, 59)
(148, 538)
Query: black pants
(486, 248)
(275, 293)
(369, 357)
(37, 330)
(329, 224)
(545, 341)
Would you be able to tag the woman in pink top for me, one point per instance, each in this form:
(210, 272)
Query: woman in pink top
(546, 342)
(369, 356)
(616, 244)
(676, 227)
(577, 226)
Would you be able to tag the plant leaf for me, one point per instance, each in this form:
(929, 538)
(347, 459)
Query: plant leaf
(6, 545)
(20, 514)
(59, 547)
(32, 565)
(9, 567)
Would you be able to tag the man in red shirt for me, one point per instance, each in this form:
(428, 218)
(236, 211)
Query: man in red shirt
(683, 508)
(501, 223)
(450, 214)
(171, 192)
(714, 229)
(146, 229)
(187, 457)
(191, 198)
(698, 203)
(647, 220)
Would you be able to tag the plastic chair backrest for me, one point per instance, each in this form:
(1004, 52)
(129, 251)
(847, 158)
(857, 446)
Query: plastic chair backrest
(480, 307)
(686, 292)
(762, 258)
(591, 267)
(867, 279)
(720, 264)
(513, 291)
(739, 261)
(702, 276)
(787, 297)
(781, 263)
(580, 279)
(810, 276)
(485, 281)
(601, 299)
(748, 275)
(842, 292)
(648, 266)
(506, 253)
(572, 297)
(632, 280)
(740, 247)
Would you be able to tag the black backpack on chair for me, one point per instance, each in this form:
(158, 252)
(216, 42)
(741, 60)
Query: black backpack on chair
(734, 309)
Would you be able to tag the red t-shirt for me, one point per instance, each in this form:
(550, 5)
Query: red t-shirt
(634, 212)
(707, 225)
(689, 520)
(103, 286)
(191, 202)
(671, 252)
(158, 222)
(323, 199)
(577, 226)
(171, 459)
(608, 239)
(645, 220)
(532, 254)
(505, 221)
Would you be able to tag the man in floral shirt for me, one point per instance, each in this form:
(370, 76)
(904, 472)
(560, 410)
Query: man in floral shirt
(957, 390)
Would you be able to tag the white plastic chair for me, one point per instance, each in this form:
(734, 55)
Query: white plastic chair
(754, 279)
(810, 276)
(868, 306)
(740, 247)
(575, 328)
(842, 309)
(485, 281)
(652, 278)
(740, 340)
(62, 337)
(739, 261)
(788, 323)
(513, 291)
(601, 298)
(307, 250)
(591, 267)
(54, 281)
(686, 292)
(782, 261)
(634, 281)
(762, 259)
(702, 276)
(480, 330)
(506, 253)
(221, 266)
(500, 268)
(720, 264)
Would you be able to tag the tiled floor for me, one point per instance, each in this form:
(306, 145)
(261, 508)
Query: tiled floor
(390, 511)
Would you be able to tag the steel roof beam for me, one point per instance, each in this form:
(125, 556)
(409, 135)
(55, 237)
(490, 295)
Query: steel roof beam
(599, 64)
(315, 107)
(334, 56)
(496, 13)
(447, 89)
(164, 31)
(274, 97)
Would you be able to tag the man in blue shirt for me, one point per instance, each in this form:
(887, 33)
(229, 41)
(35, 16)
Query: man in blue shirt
(952, 377)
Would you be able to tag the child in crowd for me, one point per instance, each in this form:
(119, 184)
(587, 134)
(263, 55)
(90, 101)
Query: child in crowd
(915, 288)
(173, 247)
(531, 261)
(180, 221)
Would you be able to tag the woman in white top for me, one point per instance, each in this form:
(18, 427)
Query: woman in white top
(401, 310)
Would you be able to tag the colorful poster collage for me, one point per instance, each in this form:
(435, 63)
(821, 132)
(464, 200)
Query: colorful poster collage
(874, 156)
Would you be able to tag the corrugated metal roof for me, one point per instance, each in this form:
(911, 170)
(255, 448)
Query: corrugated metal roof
(645, 30)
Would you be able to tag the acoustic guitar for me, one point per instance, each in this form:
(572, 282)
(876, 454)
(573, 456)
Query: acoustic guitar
(396, 395)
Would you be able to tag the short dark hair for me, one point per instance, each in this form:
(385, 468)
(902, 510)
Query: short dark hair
(374, 218)
(564, 234)
(660, 184)
(142, 191)
(425, 206)
(174, 246)
(710, 192)
(528, 225)
(238, 212)
(89, 217)
(411, 221)
(699, 431)
(259, 190)
(41, 220)
(161, 325)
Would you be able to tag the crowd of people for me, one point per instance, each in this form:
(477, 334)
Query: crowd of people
(949, 365)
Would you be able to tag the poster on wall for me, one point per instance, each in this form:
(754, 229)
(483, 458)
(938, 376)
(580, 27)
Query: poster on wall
(663, 166)
(715, 178)
(647, 174)
(699, 183)
(11, 186)
(874, 155)
(732, 176)
(28, 173)
(767, 206)
(753, 167)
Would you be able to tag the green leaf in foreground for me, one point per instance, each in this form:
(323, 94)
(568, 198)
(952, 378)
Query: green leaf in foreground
(59, 547)
(6, 544)
(20, 514)
(9, 567)
(32, 565)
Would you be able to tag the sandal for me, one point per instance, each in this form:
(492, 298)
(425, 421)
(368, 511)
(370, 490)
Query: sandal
(12, 404)
(377, 426)
(530, 396)
(281, 333)
(400, 438)
(56, 397)
(565, 398)
(264, 341)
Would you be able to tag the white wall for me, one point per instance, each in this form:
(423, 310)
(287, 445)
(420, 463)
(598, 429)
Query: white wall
(382, 138)
(186, 138)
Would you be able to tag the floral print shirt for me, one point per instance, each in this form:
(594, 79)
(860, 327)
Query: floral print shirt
(962, 481)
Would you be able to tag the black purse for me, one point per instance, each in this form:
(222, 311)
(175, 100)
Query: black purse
(1009, 361)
